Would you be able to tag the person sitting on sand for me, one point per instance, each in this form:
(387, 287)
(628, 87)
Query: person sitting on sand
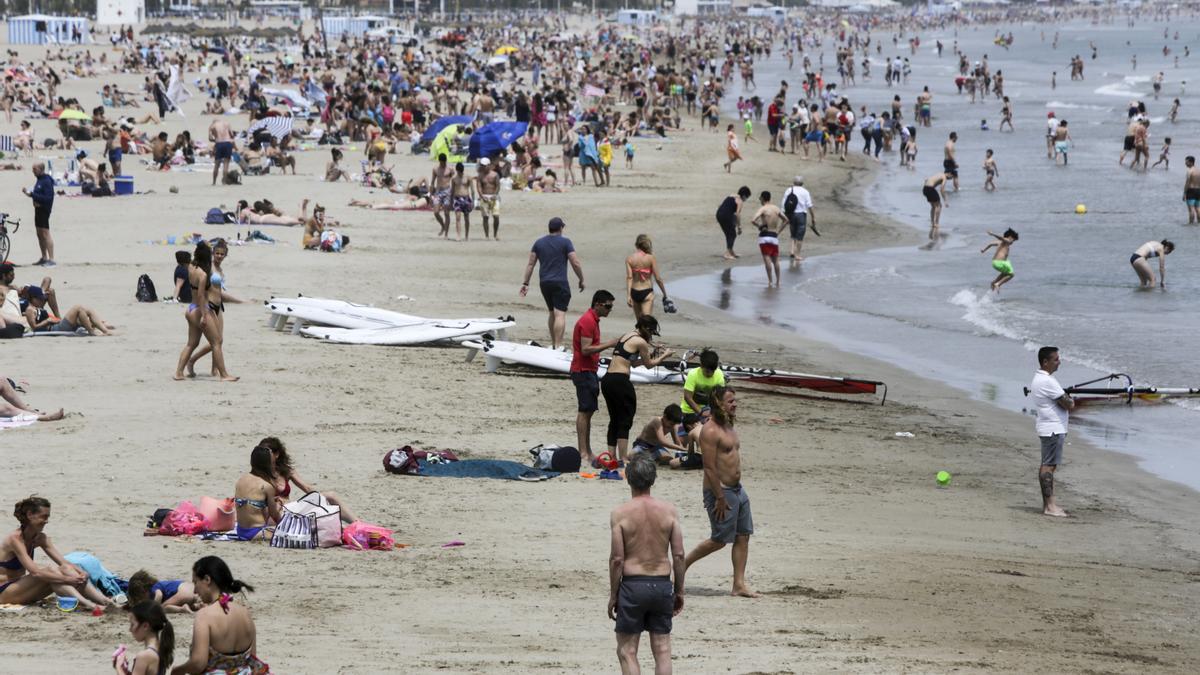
(658, 436)
(40, 319)
(23, 581)
(547, 183)
(285, 476)
(690, 438)
(249, 216)
(314, 227)
(254, 496)
(149, 625)
(333, 170)
(280, 157)
(224, 639)
(175, 595)
(13, 407)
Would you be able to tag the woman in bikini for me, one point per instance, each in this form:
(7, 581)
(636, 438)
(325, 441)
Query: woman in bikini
(1140, 260)
(23, 581)
(224, 639)
(285, 476)
(248, 216)
(206, 302)
(641, 271)
(254, 496)
(220, 251)
(633, 349)
(148, 624)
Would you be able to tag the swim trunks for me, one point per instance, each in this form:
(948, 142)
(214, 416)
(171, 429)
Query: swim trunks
(463, 204)
(1192, 196)
(441, 198)
(1128, 143)
(587, 390)
(931, 194)
(645, 603)
(951, 167)
(1003, 267)
(489, 206)
(1061, 146)
(738, 519)
(768, 244)
(814, 136)
(556, 294)
(1052, 449)
(223, 150)
(654, 451)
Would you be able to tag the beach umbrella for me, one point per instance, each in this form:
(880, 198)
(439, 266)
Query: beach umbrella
(444, 142)
(495, 137)
(498, 61)
(73, 114)
(440, 123)
(506, 50)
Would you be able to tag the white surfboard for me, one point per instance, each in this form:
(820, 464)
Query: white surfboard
(537, 356)
(337, 313)
(432, 330)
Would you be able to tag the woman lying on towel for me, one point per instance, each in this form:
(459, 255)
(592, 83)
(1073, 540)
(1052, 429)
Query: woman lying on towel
(247, 215)
(23, 581)
(285, 475)
(254, 495)
(416, 196)
(224, 638)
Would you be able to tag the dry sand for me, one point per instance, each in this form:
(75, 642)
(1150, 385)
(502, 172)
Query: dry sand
(865, 565)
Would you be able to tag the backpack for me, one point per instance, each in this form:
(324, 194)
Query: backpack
(145, 289)
(554, 458)
(214, 217)
(402, 461)
(790, 203)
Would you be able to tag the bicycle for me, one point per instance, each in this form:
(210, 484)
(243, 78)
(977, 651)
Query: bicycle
(4, 242)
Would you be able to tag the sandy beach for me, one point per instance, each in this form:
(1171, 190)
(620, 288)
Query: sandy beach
(865, 564)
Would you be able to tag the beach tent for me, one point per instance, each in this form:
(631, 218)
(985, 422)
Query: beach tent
(40, 29)
(444, 142)
(495, 137)
(334, 26)
(441, 123)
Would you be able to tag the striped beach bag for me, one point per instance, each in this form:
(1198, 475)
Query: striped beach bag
(309, 522)
(295, 530)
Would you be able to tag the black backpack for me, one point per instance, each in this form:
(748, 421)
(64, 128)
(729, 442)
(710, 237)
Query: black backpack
(790, 203)
(145, 289)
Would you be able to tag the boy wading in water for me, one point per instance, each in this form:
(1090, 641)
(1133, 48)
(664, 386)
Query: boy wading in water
(1000, 261)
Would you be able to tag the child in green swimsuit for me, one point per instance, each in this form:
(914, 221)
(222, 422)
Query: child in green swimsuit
(1000, 261)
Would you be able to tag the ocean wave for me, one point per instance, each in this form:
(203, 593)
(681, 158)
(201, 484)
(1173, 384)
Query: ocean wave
(982, 312)
(1136, 79)
(1077, 106)
(1117, 90)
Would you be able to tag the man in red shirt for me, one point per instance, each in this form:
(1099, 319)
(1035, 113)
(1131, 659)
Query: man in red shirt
(774, 121)
(585, 361)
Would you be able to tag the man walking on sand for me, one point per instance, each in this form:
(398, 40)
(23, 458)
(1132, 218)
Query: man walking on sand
(725, 499)
(552, 253)
(585, 364)
(641, 595)
(1053, 408)
(222, 137)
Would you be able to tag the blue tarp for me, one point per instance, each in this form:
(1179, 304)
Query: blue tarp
(484, 468)
(495, 137)
(440, 123)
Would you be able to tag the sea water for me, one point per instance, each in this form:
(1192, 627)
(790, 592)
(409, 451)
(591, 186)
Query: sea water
(930, 311)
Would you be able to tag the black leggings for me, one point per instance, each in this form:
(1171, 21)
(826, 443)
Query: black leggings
(621, 400)
(728, 225)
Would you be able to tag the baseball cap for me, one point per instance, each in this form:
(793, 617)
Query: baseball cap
(1050, 114)
(556, 224)
(35, 293)
(798, 180)
(6, 267)
(484, 161)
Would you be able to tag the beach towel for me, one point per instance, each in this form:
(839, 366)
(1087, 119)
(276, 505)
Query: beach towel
(484, 468)
(108, 583)
(18, 421)
(588, 154)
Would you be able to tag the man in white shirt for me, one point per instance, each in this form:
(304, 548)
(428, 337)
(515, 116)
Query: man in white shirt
(1053, 406)
(800, 219)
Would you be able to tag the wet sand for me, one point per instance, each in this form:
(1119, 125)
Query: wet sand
(864, 563)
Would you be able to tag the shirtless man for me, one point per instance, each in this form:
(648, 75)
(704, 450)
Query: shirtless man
(935, 193)
(1062, 142)
(440, 180)
(1130, 132)
(1141, 145)
(925, 107)
(641, 595)
(770, 221)
(1191, 190)
(487, 186)
(222, 137)
(949, 163)
(462, 197)
(483, 106)
(658, 436)
(725, 500)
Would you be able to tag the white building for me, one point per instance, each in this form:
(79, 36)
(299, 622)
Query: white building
(697, 7)
(120, 12)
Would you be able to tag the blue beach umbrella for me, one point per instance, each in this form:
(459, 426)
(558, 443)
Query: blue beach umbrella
(495, 137)
(440, 123)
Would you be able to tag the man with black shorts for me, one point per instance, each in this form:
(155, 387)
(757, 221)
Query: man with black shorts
(552, 253)
(1053, 409)
(935, 193)
(585, 362)
(949, 162)
(642, 596)
(43, 202)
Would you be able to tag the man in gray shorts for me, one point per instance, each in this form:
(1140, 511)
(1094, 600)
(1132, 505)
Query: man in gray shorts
(642, 596)
(1053, 407)
(728, 505)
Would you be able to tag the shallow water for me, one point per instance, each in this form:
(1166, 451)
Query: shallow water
(1073, 287)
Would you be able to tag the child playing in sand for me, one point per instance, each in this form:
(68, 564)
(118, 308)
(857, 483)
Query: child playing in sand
(1163, 155)
(989, 168)
(1000, 261)
(629, 149)
(175, 595)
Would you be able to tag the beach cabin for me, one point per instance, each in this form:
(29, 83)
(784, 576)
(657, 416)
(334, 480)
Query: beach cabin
(636, 17)
(702, 7)
(120, 12)
(779, 14)
(40, 29)
(334, 26)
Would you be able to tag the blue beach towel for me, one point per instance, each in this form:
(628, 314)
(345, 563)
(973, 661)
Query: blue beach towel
(101, 578)
(485, 468)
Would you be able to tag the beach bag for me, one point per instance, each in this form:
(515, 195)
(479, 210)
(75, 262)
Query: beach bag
(145, 290)
(325, 519)
(790, 203)
(402, 461)
(214, 217)
(436, 456)
(183, 519)
(364, 536)
(295, 531)
(219, 514)
(554, 458)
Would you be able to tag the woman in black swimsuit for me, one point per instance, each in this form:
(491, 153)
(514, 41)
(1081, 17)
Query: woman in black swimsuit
(728, 214)
(24, 582)
(206, 300)
(633, 349)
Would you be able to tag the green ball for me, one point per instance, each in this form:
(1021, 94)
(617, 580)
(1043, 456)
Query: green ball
(943, 477)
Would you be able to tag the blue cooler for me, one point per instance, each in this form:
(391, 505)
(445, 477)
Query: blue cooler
(123, 185)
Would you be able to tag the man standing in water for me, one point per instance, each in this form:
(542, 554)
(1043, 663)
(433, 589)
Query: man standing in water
(935, 193)
(1191, 190)
(641, 595)
(1053, 407)
(725, 499)
(949, 163)
(1062, 142)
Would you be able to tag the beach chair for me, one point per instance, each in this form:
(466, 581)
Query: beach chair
(7, 146)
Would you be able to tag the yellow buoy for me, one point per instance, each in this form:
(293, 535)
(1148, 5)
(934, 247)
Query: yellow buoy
(1080, 209)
